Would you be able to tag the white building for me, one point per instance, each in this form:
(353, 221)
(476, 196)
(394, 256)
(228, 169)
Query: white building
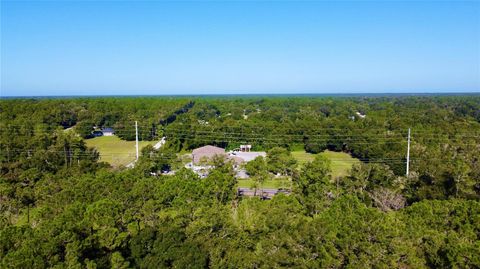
(107, 131)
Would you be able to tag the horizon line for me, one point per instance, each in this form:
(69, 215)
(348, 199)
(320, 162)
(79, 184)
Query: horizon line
(245, 94)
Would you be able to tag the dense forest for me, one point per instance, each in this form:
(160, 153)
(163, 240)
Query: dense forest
(61, 207)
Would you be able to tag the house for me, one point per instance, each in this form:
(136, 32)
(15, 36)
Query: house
(107, 131)
(361, 115)
(245, 148)
(237, 158)
(103, 132)
(206, 153)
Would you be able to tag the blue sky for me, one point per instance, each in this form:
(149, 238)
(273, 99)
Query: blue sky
(148, 47)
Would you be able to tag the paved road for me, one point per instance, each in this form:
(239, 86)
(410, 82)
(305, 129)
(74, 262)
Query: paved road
(160, 143)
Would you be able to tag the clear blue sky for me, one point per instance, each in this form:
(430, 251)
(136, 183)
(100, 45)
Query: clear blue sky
(123, 47)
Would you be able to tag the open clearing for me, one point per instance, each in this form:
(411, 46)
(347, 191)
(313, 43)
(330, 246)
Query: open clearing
(116, 151)
(267, 184)
(341, 165)
(119, 152)
(341, 162)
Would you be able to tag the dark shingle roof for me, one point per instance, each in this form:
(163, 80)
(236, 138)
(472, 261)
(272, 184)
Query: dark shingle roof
(208, 150)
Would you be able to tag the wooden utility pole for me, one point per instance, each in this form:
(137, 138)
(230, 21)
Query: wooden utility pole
(408, 152)
(136, 138)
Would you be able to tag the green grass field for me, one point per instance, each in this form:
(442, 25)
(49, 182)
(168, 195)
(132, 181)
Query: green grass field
(341, 162)
(302, 157)
(341, 165)
(268, 184)
(115, 151)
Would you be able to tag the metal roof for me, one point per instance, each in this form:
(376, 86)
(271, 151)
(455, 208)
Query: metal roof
(108, 130)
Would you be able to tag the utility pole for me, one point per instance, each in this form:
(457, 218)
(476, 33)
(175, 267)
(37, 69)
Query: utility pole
(136, 137)
(408, 152)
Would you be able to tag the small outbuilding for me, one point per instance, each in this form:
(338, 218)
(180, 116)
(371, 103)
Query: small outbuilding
(245, 148)
(107, 131)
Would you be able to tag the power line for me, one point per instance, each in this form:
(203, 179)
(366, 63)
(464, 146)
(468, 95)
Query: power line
(352, 159)
(432, 131)
(298, 136)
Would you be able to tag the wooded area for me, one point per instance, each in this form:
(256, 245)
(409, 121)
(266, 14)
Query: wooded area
(61, 207)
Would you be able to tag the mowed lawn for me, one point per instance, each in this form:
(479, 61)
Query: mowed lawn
(341, 162)
(267, 184)
(341, 165)
(116, 151)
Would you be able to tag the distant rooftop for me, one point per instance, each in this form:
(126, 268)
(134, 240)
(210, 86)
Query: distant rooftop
(108, 130)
